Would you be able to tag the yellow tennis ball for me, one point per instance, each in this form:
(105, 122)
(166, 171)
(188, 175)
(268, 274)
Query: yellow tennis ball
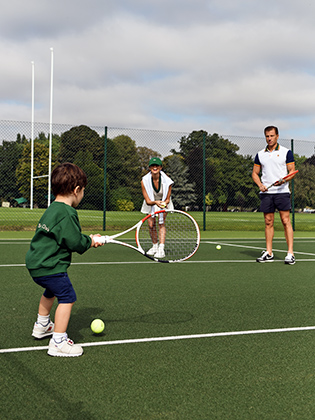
(218, 246)
(97, 326)
(163, 205)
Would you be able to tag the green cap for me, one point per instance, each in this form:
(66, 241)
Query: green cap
(155, 161)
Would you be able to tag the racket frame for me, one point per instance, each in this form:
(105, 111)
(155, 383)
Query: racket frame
(112, 238)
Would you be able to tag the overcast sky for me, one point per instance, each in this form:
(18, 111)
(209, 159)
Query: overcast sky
(225, 66)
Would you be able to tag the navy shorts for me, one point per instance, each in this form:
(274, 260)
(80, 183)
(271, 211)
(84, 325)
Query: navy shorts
(58, 285)
(271, 202)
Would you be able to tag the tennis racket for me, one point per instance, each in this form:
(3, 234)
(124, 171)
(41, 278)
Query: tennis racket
(284, 179)
(179, 230)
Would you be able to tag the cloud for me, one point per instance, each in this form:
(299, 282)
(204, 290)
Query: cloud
(225, 66)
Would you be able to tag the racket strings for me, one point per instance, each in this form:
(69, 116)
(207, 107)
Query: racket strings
(177, 231)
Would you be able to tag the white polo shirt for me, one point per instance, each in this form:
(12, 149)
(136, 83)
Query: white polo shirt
(274, 166)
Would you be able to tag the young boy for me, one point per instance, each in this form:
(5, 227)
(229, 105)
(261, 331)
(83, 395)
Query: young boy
(58, 234)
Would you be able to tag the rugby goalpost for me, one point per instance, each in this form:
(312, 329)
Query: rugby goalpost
(50, 130)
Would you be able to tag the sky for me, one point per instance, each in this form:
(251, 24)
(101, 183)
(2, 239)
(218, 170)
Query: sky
(225, 66)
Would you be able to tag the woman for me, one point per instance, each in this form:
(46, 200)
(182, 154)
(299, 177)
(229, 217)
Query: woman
(156, 189)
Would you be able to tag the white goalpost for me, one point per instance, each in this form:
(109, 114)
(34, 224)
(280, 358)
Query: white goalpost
(50, 120)
(50, 132)
(32, 135)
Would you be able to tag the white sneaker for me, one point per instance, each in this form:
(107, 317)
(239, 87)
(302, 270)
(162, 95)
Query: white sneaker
(265, 257)
(153, 250)
(66, 348)
(41, 331)
(160, 253)
(289, 259)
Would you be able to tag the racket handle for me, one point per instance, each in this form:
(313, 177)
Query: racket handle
(100, 239)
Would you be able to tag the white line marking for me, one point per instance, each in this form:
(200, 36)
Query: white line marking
(12, 265)
(21, 349)
(169, 338)
(154, 262)
(255, 247)
(187, 262)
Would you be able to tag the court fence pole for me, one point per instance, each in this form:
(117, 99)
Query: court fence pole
(105, 177)
(292, 192)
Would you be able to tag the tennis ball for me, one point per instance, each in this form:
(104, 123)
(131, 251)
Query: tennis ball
(97, 326)
(218, 246)
(163, 205)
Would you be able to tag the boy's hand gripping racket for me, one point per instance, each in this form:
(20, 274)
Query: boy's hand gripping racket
(180, 230)
(284, 179)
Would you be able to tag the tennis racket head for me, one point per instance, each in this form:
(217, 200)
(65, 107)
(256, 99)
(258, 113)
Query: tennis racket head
(179, 231)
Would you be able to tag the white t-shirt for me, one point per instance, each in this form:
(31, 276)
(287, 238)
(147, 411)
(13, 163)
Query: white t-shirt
(274, 166)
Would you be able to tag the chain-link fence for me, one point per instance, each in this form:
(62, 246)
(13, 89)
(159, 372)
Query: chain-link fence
(211, 174)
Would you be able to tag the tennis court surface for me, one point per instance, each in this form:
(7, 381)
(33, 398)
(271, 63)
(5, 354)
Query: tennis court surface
(217, 337)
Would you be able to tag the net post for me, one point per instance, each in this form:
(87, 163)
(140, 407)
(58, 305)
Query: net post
(292, 192)
(105, 177)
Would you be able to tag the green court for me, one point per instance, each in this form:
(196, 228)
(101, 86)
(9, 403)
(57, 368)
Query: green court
(217, 337)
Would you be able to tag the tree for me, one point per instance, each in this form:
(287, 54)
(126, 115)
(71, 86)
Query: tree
(23, 173)
(10, 153)
(183, 192)
(299, 160)
(120, 197)
(93, 195)
(145, 154)
(42, 139)
(226, 172)
(81, 138)
(304, 186)
(310, 160)
(129, 173)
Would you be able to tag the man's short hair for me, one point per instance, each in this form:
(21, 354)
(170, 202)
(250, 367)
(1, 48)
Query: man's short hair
(271, 127)
(66, 177)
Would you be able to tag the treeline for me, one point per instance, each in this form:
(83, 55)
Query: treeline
(225, 178)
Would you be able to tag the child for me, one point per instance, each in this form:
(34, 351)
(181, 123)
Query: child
(58, 234)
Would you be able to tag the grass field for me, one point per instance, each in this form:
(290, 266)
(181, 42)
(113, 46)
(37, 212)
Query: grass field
(20, 219)
(216, 337)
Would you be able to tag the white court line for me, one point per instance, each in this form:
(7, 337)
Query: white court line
(11, 265)
(169, 338)
(189, 261)
(155, 262)
(255, 247)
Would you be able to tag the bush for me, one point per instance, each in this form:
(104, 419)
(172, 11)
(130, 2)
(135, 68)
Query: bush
(125, 205)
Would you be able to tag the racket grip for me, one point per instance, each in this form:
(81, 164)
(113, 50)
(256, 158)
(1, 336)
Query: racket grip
(100, 239)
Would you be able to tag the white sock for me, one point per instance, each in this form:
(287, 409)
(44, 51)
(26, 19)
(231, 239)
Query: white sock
(155, 246)
(161, 246)
(58, 337)
(43, 320)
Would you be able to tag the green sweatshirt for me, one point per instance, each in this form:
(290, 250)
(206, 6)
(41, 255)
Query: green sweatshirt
(58, 234)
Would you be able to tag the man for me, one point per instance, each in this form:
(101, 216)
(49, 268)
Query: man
(274, 162)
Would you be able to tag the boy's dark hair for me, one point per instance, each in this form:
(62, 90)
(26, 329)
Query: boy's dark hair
(271, 127)
(66, 177)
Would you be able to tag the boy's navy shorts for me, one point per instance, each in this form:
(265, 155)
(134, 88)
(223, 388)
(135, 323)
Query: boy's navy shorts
(271, 202)
(58, 285)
